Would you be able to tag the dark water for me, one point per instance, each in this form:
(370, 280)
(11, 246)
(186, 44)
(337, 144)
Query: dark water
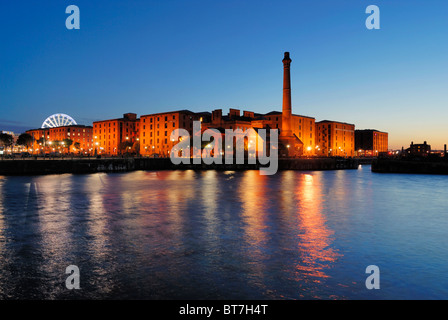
(224, 235)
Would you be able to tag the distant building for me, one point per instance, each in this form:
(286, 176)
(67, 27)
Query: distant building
(150, 134)
(116, 136)
(155, 130)
(15, 136)
(421, 150)
(335, 139)
(302, 127)
(370, 143)
(233, 120)
(47, 140)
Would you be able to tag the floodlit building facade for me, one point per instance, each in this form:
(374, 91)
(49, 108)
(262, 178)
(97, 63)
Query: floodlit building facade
(47, 140)
(370, 143)
(302, 127)
(156, 129)
(117, 136)
(335, 139)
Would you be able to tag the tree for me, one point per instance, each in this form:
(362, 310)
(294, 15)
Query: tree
(77, 146)
(66, 143)
(136, 147)
(43, 144)
(124, 146)
(6, 139)
(55, 144)
(25, 140)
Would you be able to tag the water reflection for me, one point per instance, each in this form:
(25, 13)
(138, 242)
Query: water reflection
(2, 214)
(315, 238)
(215, 235)
(253, 194)
(151, 230)
(3, 236)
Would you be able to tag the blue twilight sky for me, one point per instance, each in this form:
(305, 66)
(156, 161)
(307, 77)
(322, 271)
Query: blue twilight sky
(147, 56)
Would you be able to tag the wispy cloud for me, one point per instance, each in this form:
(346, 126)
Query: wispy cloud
(15, 126)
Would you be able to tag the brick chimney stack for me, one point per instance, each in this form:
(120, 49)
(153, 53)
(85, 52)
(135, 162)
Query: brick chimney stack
(286, 112)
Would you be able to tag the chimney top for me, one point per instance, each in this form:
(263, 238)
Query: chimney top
(287, 58)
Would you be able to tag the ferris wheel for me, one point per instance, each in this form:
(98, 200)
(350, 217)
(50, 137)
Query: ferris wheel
(58, 120)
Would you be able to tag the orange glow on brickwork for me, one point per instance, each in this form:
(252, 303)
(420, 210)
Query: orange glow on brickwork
(44, 140)
(116, 136)
(335, 139)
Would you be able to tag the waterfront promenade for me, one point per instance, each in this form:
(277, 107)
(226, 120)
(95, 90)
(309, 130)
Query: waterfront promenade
(36, 166)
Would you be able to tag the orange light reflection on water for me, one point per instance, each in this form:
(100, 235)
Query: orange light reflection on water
(315, 238)
(253, 197)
